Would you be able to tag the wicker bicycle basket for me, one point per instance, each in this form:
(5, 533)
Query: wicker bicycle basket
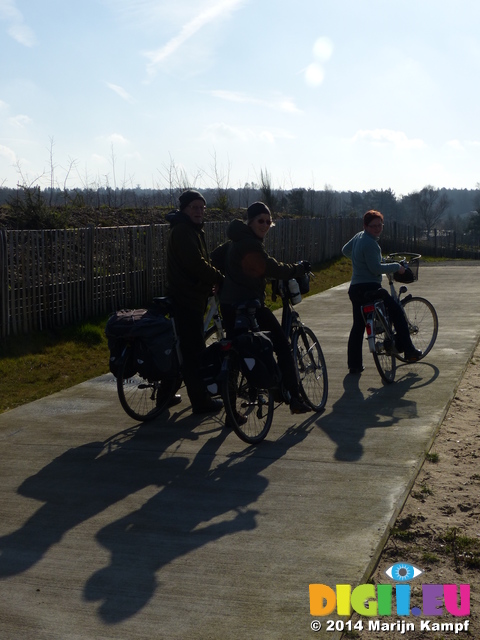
(413, 265)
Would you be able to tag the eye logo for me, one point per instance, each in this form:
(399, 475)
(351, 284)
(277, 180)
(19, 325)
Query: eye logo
(403, 572)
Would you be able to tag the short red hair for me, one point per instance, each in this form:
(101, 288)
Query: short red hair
(372, 215)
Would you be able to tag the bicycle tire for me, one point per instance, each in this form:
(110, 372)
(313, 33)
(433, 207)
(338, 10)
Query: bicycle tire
(310, 367)
(422, 322)
(248, 410)
(383, 356)
(142, 399)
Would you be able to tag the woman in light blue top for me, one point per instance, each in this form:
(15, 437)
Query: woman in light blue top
(366, 256)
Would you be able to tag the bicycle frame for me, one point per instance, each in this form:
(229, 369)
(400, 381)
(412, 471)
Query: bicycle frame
(213, 315)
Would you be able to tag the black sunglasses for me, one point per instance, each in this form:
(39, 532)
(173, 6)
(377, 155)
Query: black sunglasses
(263, 221)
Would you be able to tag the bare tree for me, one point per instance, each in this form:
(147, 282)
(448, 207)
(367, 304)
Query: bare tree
(177, 180)
(266, 190)
(221, 181)
(429, 206)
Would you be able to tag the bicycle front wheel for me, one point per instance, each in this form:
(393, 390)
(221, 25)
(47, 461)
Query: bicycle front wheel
(248, 409)
(383, 356)
(143, 399)
(422, 323)
(311, 368)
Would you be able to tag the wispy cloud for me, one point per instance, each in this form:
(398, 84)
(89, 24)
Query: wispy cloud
(121, 92)
(279, 103)
(218, 11)
(397, 139)
(8, 153)
(463, 145)
(222, 131)
(20, 121)
(17, 28)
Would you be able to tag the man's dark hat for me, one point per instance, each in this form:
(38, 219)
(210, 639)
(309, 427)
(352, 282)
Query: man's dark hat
(189, 196)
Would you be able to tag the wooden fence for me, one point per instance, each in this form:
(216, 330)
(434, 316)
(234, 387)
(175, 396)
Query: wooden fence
(53, 278)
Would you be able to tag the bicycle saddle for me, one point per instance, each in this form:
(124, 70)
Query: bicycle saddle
(164, 304)
(378, 294)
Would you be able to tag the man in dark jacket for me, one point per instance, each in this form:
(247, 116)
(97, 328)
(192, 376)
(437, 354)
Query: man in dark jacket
(191, 279)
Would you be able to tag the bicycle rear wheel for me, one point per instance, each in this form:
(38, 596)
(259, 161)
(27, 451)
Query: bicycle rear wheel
(248, 410)
(422, 322)
(311, 368)
(143, 399)
(385, 361)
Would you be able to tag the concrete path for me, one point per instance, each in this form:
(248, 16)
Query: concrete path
(111, 529)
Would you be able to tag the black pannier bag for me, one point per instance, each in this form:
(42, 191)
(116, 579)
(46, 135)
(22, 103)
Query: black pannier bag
(304, 283)
(152, 337)
(257, 359)
(210, 367)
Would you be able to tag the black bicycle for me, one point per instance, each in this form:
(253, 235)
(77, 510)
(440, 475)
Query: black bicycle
(249, 406)
(146, 392)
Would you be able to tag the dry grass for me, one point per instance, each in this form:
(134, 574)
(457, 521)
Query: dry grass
(39, 364)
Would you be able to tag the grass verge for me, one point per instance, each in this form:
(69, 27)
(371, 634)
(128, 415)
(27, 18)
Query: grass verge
(42, 363)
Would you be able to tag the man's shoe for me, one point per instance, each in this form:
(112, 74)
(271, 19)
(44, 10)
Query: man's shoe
(209, 406)
(176, 399)
(298, 406)
(356, 371)
(413, 355)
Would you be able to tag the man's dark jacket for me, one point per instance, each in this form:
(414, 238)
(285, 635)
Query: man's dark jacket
(190, 274)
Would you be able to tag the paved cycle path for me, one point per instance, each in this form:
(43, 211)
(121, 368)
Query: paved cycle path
(176, 529)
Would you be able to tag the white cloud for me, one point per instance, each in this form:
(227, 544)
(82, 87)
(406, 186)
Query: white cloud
(397, 139)
(462, 146)
(117, 138)
(222, 131)
(281, 103)
(8, 153)
(20, 121)
(218, 11)
(455, 144)
(121, 92)
(17, 28)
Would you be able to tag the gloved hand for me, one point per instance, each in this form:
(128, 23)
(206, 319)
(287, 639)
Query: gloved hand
(306, 265)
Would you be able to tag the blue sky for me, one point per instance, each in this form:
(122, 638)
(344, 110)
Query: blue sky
(353, 94)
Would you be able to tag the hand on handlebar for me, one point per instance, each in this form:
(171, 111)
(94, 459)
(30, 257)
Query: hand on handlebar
(306, 265)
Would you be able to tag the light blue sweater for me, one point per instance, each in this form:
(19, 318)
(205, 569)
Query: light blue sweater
(366, 256)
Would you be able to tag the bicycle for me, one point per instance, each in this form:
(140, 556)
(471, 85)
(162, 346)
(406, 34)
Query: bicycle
(144, 399)
(249, 408)
(419, 313)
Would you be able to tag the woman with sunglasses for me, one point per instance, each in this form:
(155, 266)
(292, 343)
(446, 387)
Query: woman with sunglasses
(246, 266)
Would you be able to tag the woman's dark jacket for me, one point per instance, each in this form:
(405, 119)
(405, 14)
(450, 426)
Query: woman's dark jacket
(190, 274)
(247, 266)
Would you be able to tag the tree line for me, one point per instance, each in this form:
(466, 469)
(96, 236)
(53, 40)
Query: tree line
(429, 208)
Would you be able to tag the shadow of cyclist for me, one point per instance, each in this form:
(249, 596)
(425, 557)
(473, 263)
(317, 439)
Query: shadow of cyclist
(208, 501)
(352, 414)
(200, 499)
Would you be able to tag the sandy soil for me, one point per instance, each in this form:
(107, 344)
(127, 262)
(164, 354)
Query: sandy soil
(438, 529)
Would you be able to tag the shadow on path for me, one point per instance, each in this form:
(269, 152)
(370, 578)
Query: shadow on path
(353, 413)
(201, 498)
